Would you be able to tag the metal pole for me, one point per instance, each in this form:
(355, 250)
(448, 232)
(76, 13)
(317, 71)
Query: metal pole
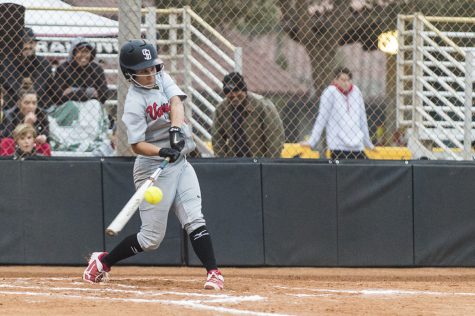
(172, 36)
(417, 74)
(467, 139)
(129, 28)
(151, 22)
(401, 27)
(186, 61)
(238, 60)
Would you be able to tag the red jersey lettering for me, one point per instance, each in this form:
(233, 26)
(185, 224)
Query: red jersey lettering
(154, 111)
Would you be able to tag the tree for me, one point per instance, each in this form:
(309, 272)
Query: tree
(248, 16)
(321, 26)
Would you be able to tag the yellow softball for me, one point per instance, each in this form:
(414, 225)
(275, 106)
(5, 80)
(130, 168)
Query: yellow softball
(153, 195)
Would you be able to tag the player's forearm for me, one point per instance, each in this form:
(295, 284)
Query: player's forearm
(177, 112)
(145, 149)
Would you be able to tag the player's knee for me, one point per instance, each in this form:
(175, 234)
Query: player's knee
(194, 225)
(149, 241)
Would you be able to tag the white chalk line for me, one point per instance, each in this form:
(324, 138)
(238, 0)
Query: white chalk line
(222, 298)
(379, 292)
(190, 280)
(199, 303)
(181, 303)
(310, 295)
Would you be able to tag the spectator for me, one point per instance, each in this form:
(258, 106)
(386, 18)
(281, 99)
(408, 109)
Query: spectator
(24, 137)
(79, 78)
(25, 71)
(246, 124)
(26, 112)
(78, 122)
(342, 113)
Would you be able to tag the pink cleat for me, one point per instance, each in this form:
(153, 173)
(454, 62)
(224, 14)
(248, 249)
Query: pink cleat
(215, 280)
(96, 271)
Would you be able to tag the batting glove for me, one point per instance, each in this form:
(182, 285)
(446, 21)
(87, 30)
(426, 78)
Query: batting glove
(171, 153)
(177, 139)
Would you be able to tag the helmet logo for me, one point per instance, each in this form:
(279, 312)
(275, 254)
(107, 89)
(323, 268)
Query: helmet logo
(146, 54)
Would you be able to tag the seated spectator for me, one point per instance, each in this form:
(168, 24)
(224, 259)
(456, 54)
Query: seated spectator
(24, 143)
(26, 112)
(79, 78)
(25, 71)
(246, 124)
(78, 122)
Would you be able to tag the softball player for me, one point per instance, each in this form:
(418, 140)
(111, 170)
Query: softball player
(154, 117)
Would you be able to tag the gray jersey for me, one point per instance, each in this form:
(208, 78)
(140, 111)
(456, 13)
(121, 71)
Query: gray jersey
(147, 118)
(147, 114)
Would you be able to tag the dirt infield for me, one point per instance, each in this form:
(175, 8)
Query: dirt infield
(249, 291)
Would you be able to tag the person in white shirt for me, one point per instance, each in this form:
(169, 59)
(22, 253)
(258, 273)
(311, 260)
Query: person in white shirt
(342, 113)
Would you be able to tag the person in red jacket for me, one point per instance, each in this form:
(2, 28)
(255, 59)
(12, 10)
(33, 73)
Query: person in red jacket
(26, 112)
(25, 148)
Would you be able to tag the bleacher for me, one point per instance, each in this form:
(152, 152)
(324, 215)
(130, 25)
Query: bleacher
(381, 153)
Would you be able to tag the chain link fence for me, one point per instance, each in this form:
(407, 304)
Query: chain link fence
(319, 78)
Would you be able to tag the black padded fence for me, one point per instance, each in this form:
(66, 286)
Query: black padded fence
(232, 206)
(375, 215)
(12, 216)
(444, 213)
(300, 214)
(118, 187)
(52, 211)
(259, 212)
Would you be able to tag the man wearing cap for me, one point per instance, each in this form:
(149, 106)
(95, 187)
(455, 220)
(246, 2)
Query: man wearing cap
(78, 121)
(25, 71)
(246, 124)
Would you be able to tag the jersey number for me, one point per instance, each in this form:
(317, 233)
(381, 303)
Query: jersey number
(146, 54)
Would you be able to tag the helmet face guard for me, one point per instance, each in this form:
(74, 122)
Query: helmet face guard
(136, 55)
(133, 76)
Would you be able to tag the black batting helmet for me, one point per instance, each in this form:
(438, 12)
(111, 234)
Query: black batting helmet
(138, 54)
